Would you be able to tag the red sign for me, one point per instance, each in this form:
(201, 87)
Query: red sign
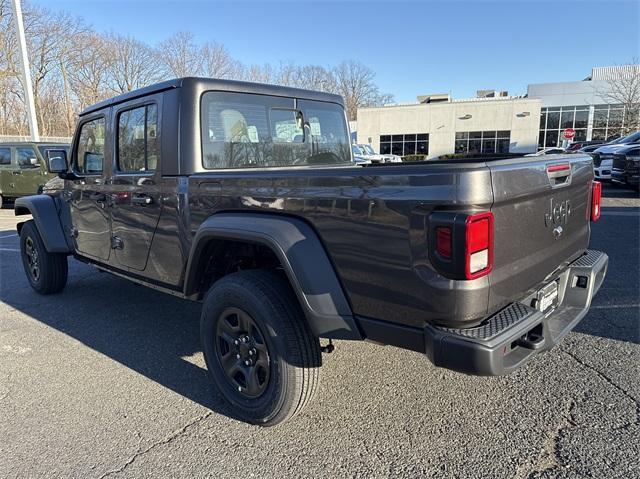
(569, 133)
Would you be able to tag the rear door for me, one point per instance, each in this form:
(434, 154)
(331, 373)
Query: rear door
(542, 213)
(136, 181)
(5, 171)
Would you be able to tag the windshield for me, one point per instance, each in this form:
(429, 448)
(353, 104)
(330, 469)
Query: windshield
(368, 149)
(241, 130)
(632, 138)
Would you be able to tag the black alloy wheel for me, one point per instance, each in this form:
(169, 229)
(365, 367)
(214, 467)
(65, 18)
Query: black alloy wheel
(242, 352)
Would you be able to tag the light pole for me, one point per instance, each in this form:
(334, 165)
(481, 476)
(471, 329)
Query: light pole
(26, 73)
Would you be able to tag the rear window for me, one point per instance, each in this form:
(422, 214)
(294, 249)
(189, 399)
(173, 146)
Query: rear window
(258, 131)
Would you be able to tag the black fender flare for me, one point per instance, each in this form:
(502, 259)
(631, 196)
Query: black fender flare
(45, 215)
(302, 256)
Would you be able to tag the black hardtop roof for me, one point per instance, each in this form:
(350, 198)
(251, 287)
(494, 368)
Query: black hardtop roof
(203, 84)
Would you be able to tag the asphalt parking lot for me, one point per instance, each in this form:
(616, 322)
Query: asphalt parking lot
(107, 380)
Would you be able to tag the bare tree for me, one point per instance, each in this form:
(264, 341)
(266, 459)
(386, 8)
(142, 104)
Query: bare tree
(624, 89)
(180, 56)
(260, 74)
(218, 63)
(134, 64)
(89, 70)
(355, 82)
(313, 77)
(8, 45)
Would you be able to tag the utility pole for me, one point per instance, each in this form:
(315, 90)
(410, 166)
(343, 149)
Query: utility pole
(26, 72)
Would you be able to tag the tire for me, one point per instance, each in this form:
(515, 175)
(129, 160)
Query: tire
(46, 272)
(257, 309)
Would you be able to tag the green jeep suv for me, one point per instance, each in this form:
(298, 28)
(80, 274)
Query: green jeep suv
(23, 168)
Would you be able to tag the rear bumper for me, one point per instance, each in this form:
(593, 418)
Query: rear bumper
(518, 332)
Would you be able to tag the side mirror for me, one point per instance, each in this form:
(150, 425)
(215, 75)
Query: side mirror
(57, 161)
(33, 162)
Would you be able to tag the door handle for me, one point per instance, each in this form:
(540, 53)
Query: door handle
(16, 172)
(142, 200)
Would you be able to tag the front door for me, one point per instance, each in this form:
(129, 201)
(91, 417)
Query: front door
(135, 190)
(89, 202)
(28, 174)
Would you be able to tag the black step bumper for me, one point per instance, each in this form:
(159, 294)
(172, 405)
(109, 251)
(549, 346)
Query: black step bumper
(518, 332)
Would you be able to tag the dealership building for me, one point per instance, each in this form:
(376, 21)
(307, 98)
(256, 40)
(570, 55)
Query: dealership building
(494, 122)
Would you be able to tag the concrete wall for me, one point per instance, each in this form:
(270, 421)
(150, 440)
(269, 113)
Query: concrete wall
(443, 120)
(569, 93)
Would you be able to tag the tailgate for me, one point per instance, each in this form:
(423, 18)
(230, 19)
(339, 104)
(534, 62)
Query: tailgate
(542, 212)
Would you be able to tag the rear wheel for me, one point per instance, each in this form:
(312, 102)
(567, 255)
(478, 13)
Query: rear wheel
(258, 346)
(46, 272)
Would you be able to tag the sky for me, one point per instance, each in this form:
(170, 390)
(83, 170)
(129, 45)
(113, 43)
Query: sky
(414, 48)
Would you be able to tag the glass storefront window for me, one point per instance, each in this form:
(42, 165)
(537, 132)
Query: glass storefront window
(566, 120)
(615, 119)
(489, 146)
(600, 118)
(553, 120)
(403, 145)
(503, 145)
(599, 134)
(581, 135)
(582, 119)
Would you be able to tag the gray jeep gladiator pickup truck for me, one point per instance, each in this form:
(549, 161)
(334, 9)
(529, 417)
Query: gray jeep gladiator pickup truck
(245, 197)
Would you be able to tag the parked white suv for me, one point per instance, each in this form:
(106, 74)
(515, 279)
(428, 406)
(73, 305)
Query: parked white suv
(367, 151)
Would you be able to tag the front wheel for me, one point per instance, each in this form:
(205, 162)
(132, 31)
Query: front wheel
(46, 272)
(258, 346)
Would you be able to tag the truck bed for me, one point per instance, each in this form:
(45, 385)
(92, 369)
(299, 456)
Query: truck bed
(373, 223)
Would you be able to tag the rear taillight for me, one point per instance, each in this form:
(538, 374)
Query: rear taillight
(479, 245)
(596, 199)
(443, 241)
(461, 245)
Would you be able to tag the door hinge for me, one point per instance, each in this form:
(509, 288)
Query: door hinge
(116, 242)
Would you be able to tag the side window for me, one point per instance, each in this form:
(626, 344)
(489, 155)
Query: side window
(5, 157)
(137, 139)
(90, 156)
(27, 158)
